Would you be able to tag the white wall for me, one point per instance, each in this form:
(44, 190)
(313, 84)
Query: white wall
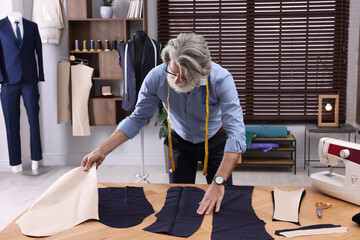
(353, 58)
(60, 147)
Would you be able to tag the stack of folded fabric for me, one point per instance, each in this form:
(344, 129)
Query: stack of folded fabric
(264, 132)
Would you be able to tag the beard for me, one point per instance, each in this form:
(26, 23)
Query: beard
(181, 87)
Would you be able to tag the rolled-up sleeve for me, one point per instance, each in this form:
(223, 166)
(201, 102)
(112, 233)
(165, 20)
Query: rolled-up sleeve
(145, 107)
(231, 115)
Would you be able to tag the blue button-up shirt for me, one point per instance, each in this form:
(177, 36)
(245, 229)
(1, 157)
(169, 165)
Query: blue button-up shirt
(188, 110)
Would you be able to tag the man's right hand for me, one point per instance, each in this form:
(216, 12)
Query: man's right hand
(95, 156)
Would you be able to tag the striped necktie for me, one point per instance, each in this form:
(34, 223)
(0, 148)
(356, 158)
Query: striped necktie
(18, 34)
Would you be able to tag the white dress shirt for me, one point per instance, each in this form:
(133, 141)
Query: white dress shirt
(13, 17)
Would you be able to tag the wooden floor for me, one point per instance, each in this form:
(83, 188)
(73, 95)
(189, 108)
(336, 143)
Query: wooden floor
(19, 191)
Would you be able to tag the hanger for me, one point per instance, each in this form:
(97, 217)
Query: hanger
(74, 59)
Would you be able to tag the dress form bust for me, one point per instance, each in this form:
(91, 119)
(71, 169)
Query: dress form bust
(15, 16)
(139, 42)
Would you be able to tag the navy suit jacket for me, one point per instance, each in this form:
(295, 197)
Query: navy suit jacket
(148, 63)
(16, 61)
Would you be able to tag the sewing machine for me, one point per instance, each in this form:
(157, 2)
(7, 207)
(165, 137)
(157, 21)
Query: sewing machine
(332, 152)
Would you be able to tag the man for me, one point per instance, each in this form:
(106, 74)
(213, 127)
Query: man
(191, 87)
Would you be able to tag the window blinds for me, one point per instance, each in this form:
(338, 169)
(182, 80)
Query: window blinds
(282, 54)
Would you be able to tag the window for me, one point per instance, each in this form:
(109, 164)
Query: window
(282, 54)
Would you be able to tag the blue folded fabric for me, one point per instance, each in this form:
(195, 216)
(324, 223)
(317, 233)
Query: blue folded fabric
(264, 146)
(268, 132)
(123, 207)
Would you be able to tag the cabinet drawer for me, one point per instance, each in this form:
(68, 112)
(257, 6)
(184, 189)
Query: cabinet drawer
(102, 111)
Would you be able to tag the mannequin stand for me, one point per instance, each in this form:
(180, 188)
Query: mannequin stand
(142, 176)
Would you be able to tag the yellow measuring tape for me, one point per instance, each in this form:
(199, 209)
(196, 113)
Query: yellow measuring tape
(206, 130)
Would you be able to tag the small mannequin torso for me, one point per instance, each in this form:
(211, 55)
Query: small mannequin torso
(139, 42)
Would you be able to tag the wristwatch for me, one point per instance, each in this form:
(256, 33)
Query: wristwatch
(219, 180)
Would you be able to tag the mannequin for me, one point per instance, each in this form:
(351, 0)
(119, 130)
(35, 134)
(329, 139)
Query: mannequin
(138, 56)
(19, 41)
(139, 42)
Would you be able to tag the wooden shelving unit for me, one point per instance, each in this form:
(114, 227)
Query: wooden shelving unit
(284, 155)
(81, 26)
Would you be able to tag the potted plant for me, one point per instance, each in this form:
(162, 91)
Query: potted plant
(162, 122)
(106, 10)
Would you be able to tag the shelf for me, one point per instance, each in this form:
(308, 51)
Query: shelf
(282, 147)
(81, 26)
(272, 161)
(84, 52)
(289, 137)
(106, 78)
(107, 98)
(285, 154)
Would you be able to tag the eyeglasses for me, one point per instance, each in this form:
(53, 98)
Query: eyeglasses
(182, 79)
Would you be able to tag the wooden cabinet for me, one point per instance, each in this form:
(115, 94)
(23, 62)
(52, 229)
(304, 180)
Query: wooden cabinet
(284, 155)
(107, 71)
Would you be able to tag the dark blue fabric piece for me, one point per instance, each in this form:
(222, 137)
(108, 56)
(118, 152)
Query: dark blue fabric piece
(356, 218)
(178, 216)
(123, 207)
(318, 226)
(236, 218)
(273, 200)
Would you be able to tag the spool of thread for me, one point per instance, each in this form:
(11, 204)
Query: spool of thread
(84, 46)
(77, 45)
(99, 47)
(107, 45)
(114, 45)
(92, 46)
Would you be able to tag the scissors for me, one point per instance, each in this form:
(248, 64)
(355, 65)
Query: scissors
(320, 206)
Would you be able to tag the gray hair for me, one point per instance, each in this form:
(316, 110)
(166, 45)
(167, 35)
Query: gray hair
(190, 51)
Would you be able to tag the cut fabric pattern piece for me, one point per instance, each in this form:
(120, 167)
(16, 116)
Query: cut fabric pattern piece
(356, 218)
(265, 147)
(80, 90)
(236, 218)
(178, 216)
(71, 200)
(63, 92)
(123, 207)
(311, 230)
(287, 205)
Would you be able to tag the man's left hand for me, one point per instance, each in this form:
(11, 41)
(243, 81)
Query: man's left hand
(212, 198)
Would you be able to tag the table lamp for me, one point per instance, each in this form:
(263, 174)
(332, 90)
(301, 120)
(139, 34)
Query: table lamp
(328, 115)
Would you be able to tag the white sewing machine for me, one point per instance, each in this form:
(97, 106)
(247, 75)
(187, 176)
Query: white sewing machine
(331, 153)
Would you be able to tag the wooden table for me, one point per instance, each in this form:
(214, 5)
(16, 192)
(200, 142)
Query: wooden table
(341, 213)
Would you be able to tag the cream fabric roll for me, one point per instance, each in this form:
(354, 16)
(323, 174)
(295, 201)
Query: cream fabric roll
(287, 204)
(80, 90)
(63, 92)
(71, 200)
